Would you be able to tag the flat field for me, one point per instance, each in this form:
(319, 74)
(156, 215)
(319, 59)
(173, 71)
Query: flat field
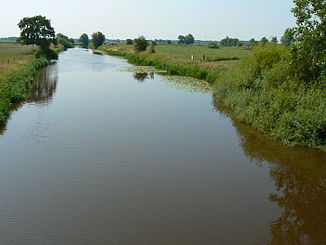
(213, 57)
(12, 56)
(230, 54)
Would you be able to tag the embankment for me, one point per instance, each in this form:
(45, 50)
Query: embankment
(16, 87)
(173, 67)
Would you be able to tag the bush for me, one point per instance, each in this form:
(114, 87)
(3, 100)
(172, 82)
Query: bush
(129, 42)
(140, 44)
(213, 45)
(262, 91)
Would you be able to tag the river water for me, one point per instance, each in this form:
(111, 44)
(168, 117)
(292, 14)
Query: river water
(103, 156)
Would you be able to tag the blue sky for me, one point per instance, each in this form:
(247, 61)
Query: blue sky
(166, 19)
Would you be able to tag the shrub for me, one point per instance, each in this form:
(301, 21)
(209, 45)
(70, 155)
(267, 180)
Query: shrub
(262, 91)
(140, 44)
(213, 45)
(129, 42)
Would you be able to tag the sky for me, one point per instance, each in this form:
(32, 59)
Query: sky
(155, 19)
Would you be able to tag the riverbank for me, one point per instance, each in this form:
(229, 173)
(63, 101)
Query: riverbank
(207, 71)
(261, 90)
(17, 75)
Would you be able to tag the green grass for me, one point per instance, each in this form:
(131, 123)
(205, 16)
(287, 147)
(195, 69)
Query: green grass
(172, 66)
(12, 57)
(264, 92)
(18, 67)
(184, 52)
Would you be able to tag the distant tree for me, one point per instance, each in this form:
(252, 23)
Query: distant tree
(169, 42)
(264, 40)
(84, 40)
(65, 41)
(309, 50)
(274, 40)
(182, 39)
(98, 39)
(189, 39)
(140, 44)
(288, 37)
(230, 41)
(37, 30)
(129, 42)
(213, 45)
(239, 44)
(252, 42)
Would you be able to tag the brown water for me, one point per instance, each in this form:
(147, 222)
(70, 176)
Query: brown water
(99, 157)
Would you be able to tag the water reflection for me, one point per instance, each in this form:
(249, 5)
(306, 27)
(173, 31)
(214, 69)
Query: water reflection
(142, 76)
(299, 177)
(42, 91)
(45, 85)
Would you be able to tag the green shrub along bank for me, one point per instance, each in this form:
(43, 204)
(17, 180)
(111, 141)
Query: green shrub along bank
(173, 67)
(261, 90)
(264, 91)
(17, 87)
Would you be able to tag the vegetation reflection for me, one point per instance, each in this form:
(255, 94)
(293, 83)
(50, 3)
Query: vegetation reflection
(299, 177)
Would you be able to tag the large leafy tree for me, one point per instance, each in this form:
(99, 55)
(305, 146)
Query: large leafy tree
(37, 30)
(309, 51)
(98, 39)
(84, 40)
(189, 39)
(182, 39)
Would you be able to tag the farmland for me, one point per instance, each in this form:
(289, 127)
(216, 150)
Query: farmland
(12, 57)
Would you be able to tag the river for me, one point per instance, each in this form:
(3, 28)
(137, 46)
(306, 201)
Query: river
(103, 156)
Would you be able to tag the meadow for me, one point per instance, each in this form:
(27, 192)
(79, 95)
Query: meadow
(12, 57)
(201, 53)
(224, 55)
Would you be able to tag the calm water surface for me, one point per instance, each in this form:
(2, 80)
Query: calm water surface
(100, 156)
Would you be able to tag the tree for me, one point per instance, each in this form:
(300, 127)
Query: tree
(264, 40)
(182, 39)
(140, 44)
(129, 42)
(309, 50)
(65, 41)
(189, 39)
(274, 40)
(37, 30)
(98, 39)
(84, 40)
(230, 42)
(252, 42)
(288, 37)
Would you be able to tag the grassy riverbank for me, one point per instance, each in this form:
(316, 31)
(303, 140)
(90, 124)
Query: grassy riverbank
(260, 89)
(177, 64)
(18, 67)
